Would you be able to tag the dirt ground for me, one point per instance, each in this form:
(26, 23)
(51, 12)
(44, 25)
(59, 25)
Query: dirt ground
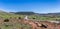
(14, 23)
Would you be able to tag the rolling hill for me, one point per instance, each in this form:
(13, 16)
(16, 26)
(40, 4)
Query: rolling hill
(37, 16)
(33, 13)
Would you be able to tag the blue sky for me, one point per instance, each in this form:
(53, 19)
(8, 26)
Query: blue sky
(38, 6)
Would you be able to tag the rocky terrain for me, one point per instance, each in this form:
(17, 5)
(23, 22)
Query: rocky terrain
(12, 22)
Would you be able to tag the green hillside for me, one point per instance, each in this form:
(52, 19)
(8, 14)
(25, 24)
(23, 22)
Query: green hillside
(32, 16)
(24, 26)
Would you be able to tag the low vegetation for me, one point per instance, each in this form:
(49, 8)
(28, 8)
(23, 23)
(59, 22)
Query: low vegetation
(9, 25)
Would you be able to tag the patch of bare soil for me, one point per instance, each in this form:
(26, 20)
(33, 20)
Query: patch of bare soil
(32, 23)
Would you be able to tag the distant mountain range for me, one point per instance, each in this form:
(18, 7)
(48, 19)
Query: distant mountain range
(33, 13)
(23, 13)
(30, 13)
